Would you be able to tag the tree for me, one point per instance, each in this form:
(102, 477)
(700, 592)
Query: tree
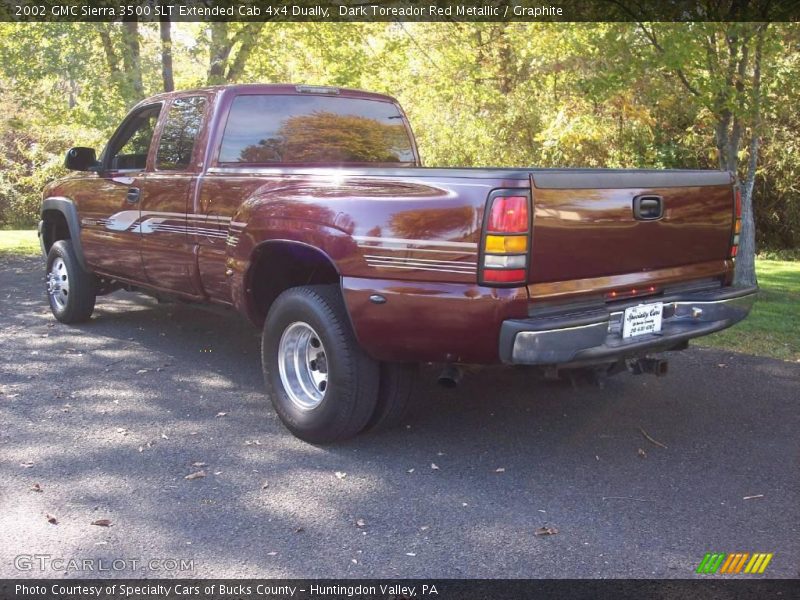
(720, 65)
(224, 39)
(165, 30)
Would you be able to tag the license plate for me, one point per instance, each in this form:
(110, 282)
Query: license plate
(642, 319)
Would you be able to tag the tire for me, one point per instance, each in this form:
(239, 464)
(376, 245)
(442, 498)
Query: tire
(71, 290)
(395, 395)
(321, 383)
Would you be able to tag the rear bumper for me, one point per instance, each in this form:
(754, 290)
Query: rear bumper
(596, 336)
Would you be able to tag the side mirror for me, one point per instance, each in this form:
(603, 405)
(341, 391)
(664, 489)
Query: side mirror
(80, 159)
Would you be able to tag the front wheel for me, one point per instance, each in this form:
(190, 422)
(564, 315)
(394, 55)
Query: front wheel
(321, 383)
(71, 290)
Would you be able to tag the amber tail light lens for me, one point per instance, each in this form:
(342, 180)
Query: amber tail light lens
(506, 239)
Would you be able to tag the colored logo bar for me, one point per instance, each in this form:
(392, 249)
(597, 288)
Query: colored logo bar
(734, 563)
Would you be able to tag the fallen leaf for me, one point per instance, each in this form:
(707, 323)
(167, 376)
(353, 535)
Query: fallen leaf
(222, 414)
(434, 467)
(500, 470)
(340, 475)
(546, 531)
(196, 475)
(51, 519)
(102, 522)
(36, 488)
(641, 453)
(361, 523)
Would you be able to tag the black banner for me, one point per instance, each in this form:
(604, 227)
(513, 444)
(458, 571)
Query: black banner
(399, 10)
(372, 589)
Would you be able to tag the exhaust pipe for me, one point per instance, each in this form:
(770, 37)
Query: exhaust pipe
(652, 366)
(450, 376)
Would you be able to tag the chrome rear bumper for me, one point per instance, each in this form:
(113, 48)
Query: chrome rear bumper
(597, 335)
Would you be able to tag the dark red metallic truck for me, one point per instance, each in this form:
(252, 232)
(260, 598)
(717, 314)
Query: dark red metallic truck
(306, 209)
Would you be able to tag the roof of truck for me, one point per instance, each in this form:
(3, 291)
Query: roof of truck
(276, 88)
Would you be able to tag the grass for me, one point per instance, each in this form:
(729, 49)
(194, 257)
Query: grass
(20, 242)
(772, 329)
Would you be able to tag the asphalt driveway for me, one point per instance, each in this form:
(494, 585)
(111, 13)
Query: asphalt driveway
(108, 418)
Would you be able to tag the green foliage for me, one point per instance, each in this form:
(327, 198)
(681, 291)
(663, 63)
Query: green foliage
(488, 94)
(19, 243)
(773, 327)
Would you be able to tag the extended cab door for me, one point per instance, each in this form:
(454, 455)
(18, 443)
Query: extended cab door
(110, 204)
(168, 222)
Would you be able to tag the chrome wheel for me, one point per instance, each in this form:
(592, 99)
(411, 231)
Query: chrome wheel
(303, 365)
(58, 283)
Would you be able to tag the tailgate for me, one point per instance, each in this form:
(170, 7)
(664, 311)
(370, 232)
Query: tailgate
(586, 224)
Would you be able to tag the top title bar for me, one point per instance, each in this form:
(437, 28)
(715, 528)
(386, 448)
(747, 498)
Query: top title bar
(398, 10)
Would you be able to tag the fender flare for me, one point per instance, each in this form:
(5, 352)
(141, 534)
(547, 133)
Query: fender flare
(67, 208)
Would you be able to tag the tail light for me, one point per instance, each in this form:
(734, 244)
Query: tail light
(506, 239)
(737, 220)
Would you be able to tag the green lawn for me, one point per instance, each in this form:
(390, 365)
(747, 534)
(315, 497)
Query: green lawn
(19, 241)
(772, 329)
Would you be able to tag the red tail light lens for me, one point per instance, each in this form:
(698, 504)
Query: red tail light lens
(509, 214)
(504, 275)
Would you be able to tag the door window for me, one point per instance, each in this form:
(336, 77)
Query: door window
(180, 133)
(130, 146)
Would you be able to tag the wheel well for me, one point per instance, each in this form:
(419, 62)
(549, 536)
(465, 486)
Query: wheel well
(54, 228)
(278, 266)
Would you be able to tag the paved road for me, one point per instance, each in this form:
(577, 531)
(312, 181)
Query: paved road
(111, 415)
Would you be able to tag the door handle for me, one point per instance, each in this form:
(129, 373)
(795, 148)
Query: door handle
(648, 208)
(133, 195)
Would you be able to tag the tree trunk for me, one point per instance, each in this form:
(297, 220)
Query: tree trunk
(248, 36)
(746, 259)
(219, 50)
(131, 59)
(166, 54)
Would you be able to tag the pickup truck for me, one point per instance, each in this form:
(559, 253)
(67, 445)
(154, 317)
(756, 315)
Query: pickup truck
(306, 209)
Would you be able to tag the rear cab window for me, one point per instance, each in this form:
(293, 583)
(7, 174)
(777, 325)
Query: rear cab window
(270, 129)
